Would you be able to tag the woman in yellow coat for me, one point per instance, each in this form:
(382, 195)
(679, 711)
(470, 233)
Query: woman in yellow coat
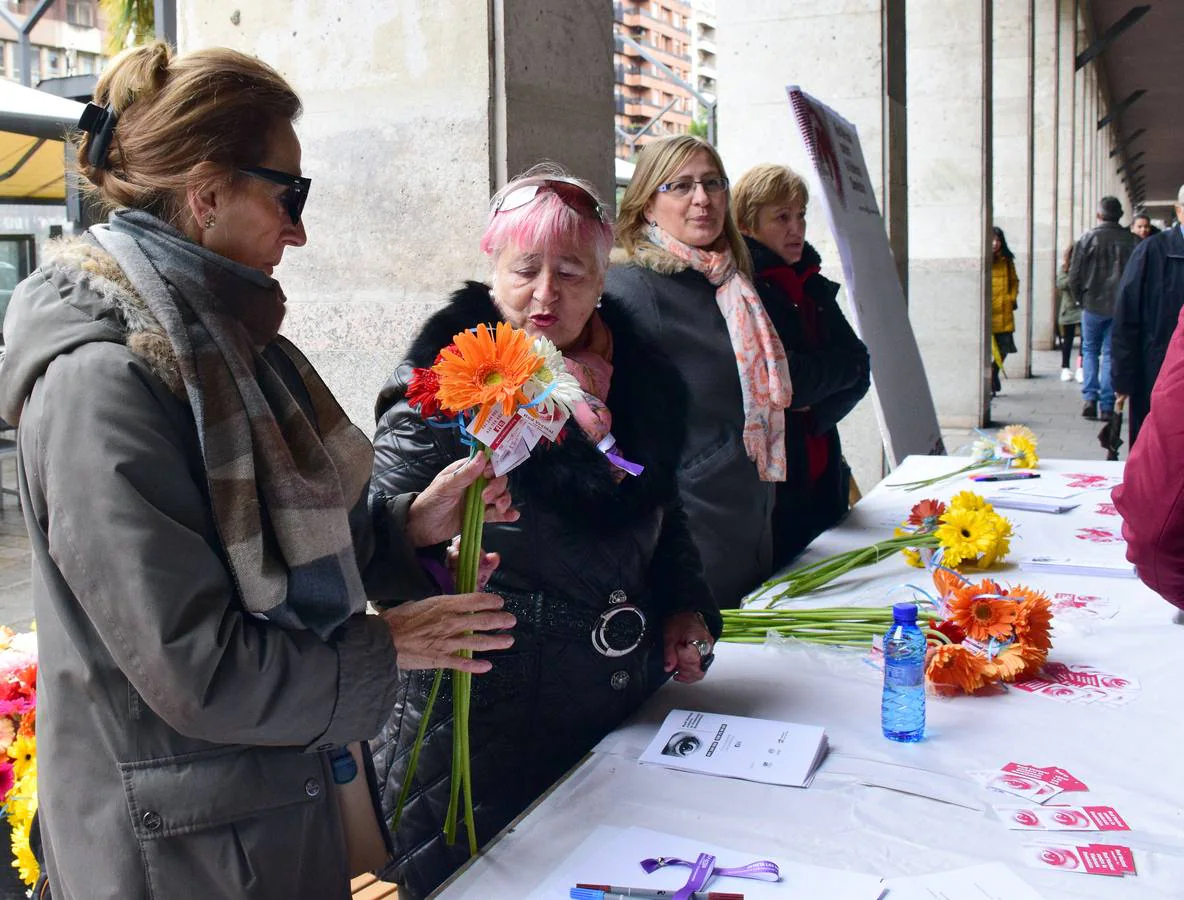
(1005, 289)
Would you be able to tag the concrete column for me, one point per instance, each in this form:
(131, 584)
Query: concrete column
(868, 90)
(1066, 195)
(1046, 152)
(414, 114)
(1011, 143)
(950, 202)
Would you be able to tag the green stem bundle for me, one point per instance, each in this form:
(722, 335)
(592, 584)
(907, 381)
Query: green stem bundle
(926, 482)
(808, 578)
(461, 785)
(852, 626)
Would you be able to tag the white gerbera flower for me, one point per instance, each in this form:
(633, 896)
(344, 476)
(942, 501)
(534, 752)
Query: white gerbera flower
(565, 393)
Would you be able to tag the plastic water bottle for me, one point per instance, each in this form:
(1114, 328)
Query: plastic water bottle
(902, 710)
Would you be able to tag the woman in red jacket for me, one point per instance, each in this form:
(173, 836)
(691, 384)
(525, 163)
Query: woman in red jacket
(1151, 496)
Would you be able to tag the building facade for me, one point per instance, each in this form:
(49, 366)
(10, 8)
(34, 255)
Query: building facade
(703, 62)
(66, 41)
(648, 103)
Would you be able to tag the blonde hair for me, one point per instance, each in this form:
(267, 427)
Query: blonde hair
(194, 119)
(766, 184)
(657, 163)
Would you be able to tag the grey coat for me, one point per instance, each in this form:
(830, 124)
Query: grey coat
(180, 740)
(729, 508)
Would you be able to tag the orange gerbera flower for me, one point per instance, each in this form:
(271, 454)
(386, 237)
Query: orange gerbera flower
(1033, 619)
(1018, 660)
(953, 665)
(926, 513)
(982, 610)
(947, 581)
(483, 371)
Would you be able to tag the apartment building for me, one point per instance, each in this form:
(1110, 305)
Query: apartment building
(703, 71)
(648, 103)
(67, 40)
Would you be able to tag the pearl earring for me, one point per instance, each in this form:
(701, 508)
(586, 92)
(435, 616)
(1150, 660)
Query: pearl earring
(598, 302)
(209, 222)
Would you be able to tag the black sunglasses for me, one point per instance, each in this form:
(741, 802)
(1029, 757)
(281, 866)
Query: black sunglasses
(297, 188)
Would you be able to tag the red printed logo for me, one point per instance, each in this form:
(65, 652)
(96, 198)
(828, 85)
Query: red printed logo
(1097, 535)
(1106, 509)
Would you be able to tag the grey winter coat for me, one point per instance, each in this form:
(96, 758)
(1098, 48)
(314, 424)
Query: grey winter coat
(180, 740)
(729, 508)
(1099, 256)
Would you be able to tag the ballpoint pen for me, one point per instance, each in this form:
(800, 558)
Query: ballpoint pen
(1006, 476)
(616, 892)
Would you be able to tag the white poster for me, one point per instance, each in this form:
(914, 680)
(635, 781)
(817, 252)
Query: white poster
(904, 404)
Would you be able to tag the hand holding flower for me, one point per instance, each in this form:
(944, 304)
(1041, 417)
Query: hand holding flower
(435, 515)
(428, 633)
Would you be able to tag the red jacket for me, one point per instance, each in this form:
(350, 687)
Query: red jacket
(1151, 496)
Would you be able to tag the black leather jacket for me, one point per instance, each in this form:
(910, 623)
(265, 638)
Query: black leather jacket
(582, 535)
(1099, 257)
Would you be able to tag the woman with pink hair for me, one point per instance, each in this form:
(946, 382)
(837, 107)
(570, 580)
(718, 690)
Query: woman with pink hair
(599, 570)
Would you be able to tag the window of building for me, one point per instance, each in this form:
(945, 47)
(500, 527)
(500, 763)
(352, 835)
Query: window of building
(81, 13)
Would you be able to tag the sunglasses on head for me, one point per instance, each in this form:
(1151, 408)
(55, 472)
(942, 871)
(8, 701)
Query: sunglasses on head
(572, 193)
(297, 188)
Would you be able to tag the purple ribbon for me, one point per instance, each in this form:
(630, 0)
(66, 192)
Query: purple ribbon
(704, 869)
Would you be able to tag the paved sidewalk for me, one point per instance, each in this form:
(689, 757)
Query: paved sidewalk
(1044, 403)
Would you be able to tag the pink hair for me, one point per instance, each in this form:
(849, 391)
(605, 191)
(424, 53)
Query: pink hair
(548, 224)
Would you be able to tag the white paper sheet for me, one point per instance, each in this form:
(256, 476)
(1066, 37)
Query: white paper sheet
(613, 856)
(738, 747)
(993, 881)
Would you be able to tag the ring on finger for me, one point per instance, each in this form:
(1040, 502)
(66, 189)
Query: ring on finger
(704, 648)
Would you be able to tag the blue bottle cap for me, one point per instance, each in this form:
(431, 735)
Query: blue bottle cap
(904, 613)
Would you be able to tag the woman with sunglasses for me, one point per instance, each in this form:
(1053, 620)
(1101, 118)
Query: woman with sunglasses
(599, 571)
(196, 502)
(686, 275)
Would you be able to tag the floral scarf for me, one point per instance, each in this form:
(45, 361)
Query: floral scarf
(590, 362)
(760, 356)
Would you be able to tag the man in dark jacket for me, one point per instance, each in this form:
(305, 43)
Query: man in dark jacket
(1149, 301)
(1098, 262)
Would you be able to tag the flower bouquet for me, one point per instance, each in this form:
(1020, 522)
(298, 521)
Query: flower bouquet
(966, 533)
(506, 393)
(18, 741)
(1013, 447)
(979, 633)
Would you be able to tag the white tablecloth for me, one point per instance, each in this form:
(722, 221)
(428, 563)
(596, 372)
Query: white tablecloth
(1129, 756)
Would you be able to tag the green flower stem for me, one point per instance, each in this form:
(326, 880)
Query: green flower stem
(467, 571)
(926, 482)
(413, 763)
(808, 578)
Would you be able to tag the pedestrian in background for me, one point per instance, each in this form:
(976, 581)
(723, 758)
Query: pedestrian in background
(1099, 258)
(1068, 318)
(1150, 297)
(1005, 290)
(1141, 226)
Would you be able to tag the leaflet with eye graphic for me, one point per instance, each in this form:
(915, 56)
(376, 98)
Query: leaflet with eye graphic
(738, 747)
(1062, 818)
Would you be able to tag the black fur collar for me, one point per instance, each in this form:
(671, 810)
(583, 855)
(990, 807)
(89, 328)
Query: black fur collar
(648, 400)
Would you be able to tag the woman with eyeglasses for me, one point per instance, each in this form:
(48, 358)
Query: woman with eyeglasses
(599, 571)
(197, 506)
(686, 276)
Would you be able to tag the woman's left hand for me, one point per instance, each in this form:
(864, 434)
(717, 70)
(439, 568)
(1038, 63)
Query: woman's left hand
(681, 648)
(435, 515)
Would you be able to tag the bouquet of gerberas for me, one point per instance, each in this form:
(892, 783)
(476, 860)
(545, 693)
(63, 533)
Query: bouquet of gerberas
(979, 632)
(18, 741)
(996, 633)
(966, 533)
(506, 393)
(1013, 447)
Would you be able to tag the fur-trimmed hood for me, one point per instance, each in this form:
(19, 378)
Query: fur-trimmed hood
(78, 296)
(649, 256)
(648, 400)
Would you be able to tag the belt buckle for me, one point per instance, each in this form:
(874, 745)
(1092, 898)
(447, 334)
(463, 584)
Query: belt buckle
(619, 606)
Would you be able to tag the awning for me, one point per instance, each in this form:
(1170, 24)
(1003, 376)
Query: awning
(33, 127)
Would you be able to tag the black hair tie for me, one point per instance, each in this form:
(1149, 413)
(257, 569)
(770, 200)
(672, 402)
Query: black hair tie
(99, 122)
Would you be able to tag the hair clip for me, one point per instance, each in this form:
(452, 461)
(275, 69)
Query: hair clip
(99, 122)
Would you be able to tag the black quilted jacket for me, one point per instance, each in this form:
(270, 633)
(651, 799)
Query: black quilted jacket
(582, 536)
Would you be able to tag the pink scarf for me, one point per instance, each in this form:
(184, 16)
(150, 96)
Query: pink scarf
(590, 362)
(760, 356)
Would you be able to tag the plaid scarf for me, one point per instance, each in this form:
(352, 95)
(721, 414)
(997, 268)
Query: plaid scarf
(281, 486)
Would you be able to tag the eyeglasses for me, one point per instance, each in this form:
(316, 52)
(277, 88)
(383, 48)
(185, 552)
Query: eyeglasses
(684, 186)
(572, 193)
(295, 195)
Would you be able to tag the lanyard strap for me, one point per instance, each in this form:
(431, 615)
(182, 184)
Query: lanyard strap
(704, 869)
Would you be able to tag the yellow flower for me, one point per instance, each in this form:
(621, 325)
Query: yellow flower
(23, 859)
(24, 753)
(966, 535)
(1025, 454)
(969, 500)
(1008, 434)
